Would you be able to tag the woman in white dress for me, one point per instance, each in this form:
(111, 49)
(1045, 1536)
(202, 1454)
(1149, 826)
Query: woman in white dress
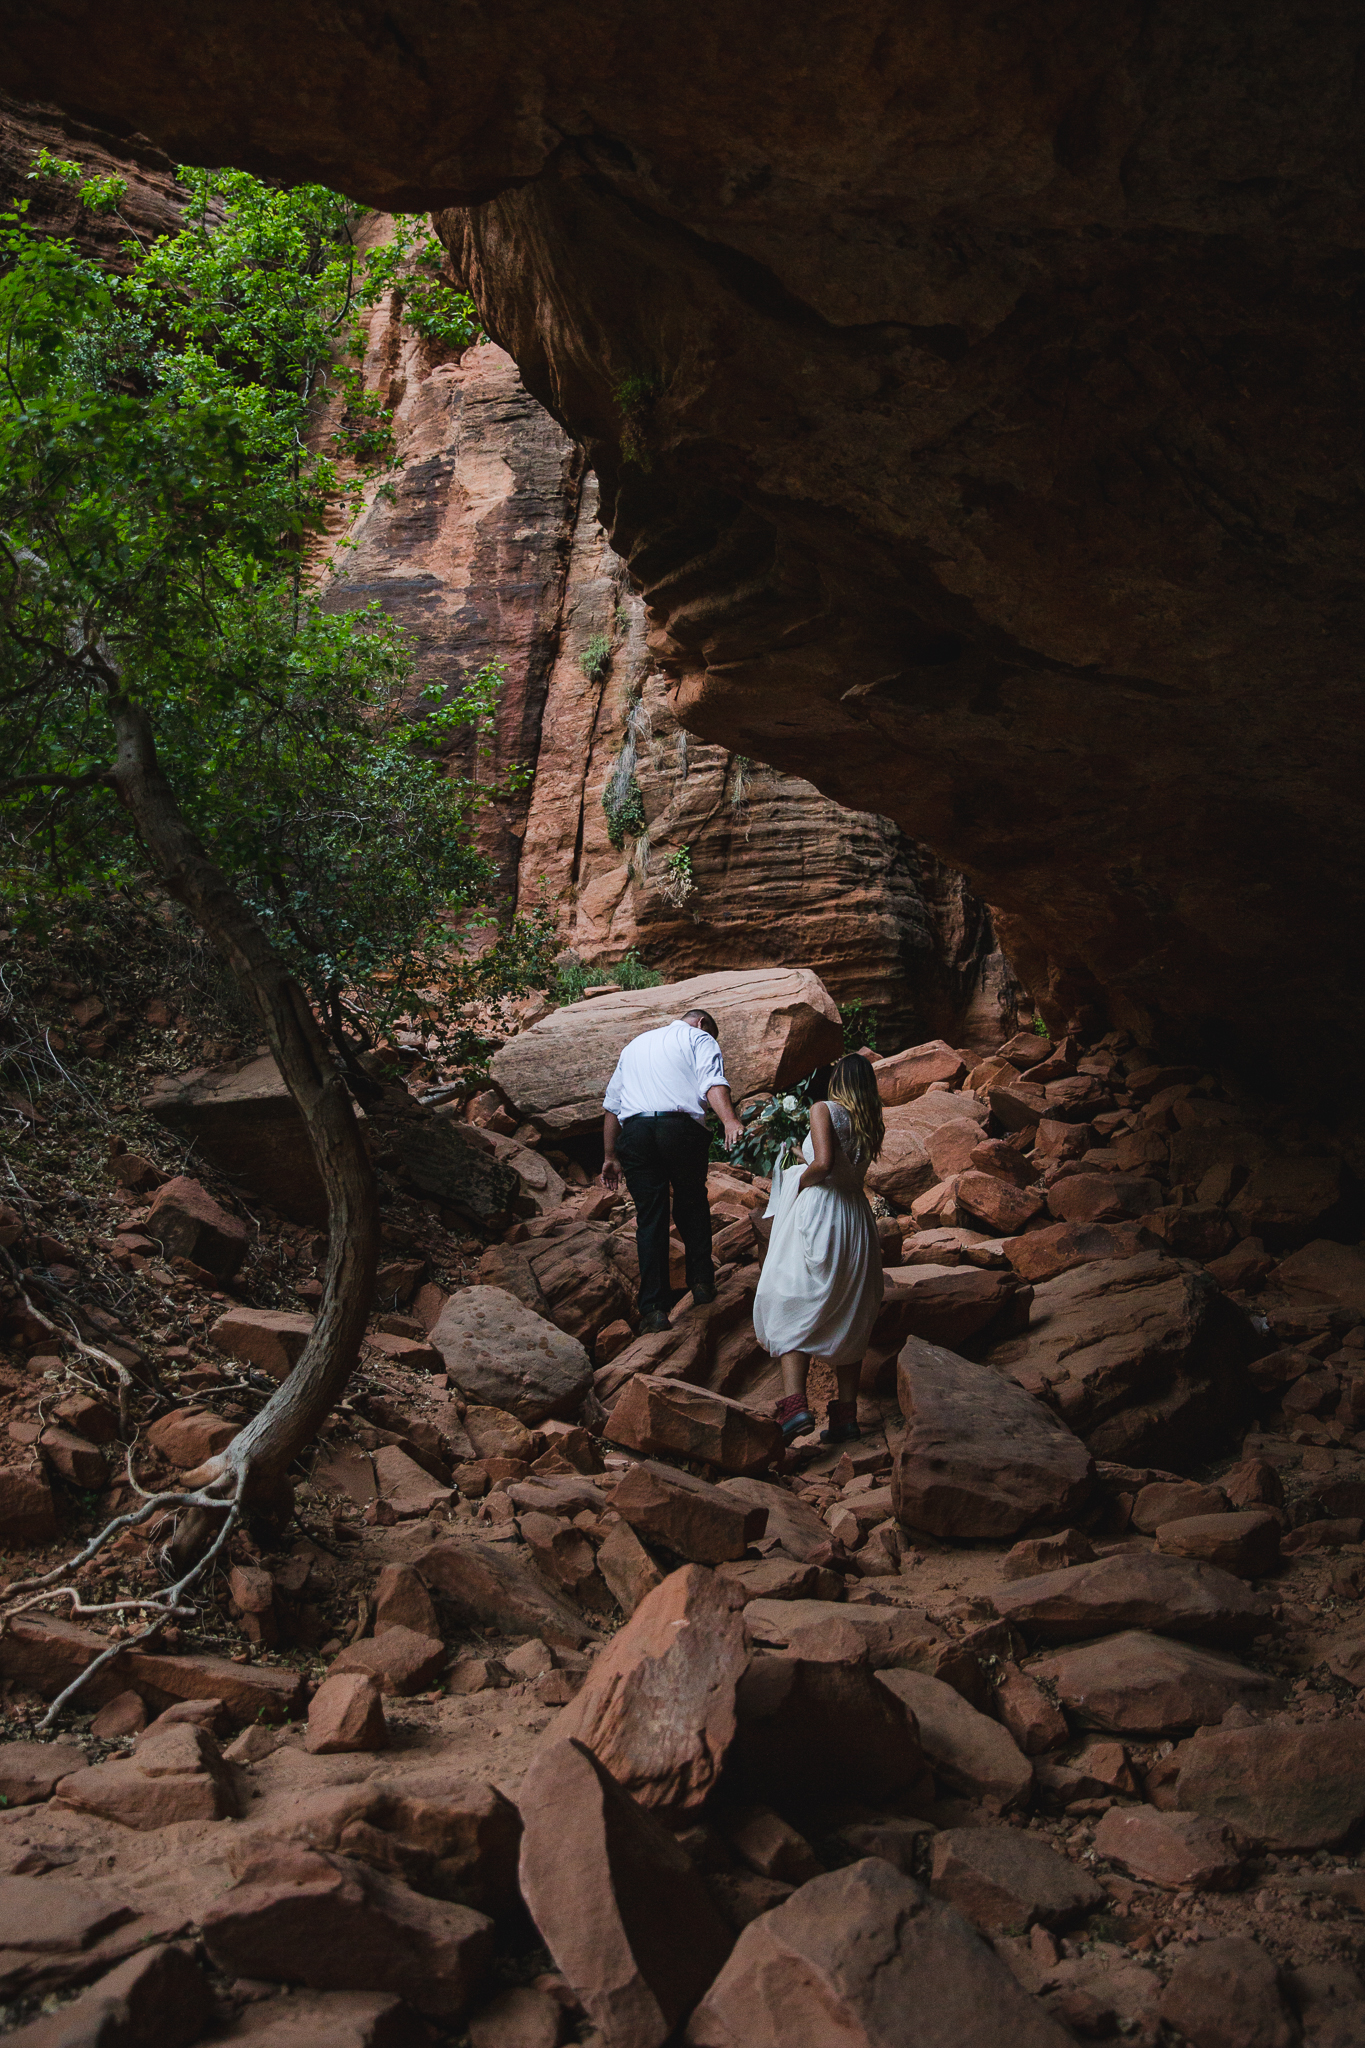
(821, 1285)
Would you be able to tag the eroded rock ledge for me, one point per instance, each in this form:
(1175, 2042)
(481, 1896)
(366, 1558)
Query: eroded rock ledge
(973, 398)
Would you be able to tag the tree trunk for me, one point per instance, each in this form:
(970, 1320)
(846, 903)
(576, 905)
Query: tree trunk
(257, 1459)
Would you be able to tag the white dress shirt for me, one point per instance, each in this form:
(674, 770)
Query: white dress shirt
(667, 1069)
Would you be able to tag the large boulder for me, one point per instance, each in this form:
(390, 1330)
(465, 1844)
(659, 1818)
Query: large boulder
(500, 1354)
(245, 1120)
(495, 1586)
(863, 1958)
(776, 1024)
(981, 1458)
(1139, 1356)
(905, 1076)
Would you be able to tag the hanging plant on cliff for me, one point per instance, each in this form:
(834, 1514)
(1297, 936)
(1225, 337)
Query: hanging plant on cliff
(171, 694)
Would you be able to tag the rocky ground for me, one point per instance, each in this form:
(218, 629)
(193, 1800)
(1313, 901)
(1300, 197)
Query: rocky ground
(568, 1707)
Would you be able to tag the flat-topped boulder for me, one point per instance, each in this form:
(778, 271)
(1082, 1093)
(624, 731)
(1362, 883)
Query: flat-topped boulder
(951, 1305)
(1172, 1596)
(980, 1458)
(776, 1024)
(245, 1120)
(1140, 1684)
(1140, 1356)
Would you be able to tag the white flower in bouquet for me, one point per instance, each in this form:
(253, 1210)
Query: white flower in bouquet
(790, 1103)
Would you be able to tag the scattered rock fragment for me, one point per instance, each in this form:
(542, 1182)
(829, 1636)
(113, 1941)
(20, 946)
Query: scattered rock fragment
(703, 1523)
(1005, 1881)
(658, 1706)
(1037, 1554)
(401, 1600)
(31, 1771)
(1246, 1542)
(627, 1567)
(28, 1513)
(1175, 1850)
(488, 1584)
(172, 1776)
(189, 1224)
(190, 1436)
(76, 1459)
(967, 1752)
(346, 1714)
(271, 1339)
(400, 1661)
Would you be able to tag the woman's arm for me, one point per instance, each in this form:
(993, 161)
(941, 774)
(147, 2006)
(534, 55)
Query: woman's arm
(823, 1142)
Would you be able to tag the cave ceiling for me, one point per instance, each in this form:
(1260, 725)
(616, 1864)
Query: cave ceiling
(975, 394)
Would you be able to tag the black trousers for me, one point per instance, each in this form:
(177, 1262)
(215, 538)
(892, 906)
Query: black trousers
(656, 1154)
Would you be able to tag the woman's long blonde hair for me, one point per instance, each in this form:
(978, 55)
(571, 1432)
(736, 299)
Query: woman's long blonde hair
(853, 1085)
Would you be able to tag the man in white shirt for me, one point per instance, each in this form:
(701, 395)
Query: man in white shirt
(654, 1137)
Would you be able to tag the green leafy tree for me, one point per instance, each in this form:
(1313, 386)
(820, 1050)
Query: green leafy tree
(169, 687)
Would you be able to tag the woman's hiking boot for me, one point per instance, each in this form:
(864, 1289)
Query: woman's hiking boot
(793, 1417)
(843, 1423)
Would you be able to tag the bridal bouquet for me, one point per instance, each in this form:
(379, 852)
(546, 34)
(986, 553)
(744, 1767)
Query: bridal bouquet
(774, 1131)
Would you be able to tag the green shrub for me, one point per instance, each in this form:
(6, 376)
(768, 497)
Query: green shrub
(631, 971)
(860, 1026)
(625, 808)
(595, 659)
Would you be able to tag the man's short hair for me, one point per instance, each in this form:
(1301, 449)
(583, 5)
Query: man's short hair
(703, 1020)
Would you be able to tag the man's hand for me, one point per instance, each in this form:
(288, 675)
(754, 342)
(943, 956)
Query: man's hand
(612, 1176)
(732, 1130)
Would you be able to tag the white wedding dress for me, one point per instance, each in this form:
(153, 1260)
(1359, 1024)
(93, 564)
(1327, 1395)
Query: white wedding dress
(821, 1284)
